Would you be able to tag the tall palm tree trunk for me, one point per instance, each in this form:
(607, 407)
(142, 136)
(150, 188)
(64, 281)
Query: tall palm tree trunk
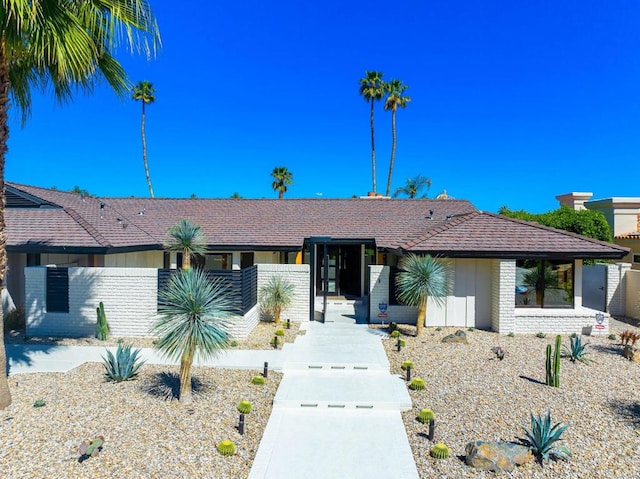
(422, 316)
(373, 149)
(393, 150)
(144, 154)
(185, 375)
(280, 194)
(5, 394)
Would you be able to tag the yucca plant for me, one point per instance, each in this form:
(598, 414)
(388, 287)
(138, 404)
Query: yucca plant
(276, 295)
(577, 351)
(193, 318)
(542, 438)
(420, 278)
(124, 365)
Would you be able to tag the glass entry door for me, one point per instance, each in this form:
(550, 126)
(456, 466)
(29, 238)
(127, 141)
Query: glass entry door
(332, 271)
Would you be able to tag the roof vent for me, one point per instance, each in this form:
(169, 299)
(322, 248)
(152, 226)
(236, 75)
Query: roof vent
(141, 212)
(430, 217)
(448, 218)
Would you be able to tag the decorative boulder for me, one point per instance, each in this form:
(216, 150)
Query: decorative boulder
(631, 354)
(459, 337)
(496, 456)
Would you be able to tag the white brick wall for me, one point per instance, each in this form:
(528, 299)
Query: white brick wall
(559, 321)
(130, 302)
(298, 275)
(129, 296)
(503, 295)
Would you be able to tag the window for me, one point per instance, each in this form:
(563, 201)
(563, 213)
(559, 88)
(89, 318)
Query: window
(544, 284)
(218, 261)
(636, 258)
(57, 290)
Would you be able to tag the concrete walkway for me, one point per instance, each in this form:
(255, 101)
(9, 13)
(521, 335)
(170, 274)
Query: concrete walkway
(336, 413)
(25, 358)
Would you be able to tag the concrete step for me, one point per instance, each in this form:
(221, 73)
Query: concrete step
(343, 390)
(354, 444)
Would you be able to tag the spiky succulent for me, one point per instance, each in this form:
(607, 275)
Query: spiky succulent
(417, 384)
(542, 438)
(577, 351)
(39, 403)
(440, 451)
(91, 448)
(226, 448)
(425, 416)
(257, 380)
(124, 365)
(245, 406)
(407, 364)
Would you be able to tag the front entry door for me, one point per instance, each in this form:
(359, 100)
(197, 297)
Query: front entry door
(343, 270)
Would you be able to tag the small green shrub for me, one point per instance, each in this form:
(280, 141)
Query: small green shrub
(425, 416)
(438, 328)
(233, 343)
(403, 343)
(90, 448)
(613, 337)
(258, 380)
(511, 334)
(541, 335)
(226, 448)
(440, 451)
(541, 438)
(39, 403)
(577, 351)
(279, 332)
(245, 406)
(395, 334)
(417, 384)
(471, 328)
(499, 352)
(407, 364)
(124, 365)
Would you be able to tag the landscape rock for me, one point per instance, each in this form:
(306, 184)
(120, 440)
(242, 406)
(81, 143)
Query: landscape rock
(631, 354)
(459, 337)
(496, 456)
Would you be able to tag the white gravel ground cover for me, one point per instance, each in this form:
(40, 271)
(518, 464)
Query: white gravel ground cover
(477, 397)
(146, 436)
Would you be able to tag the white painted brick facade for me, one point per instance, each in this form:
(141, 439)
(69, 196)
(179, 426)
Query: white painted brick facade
(559, 321)
(129, 296)
(130, 302)
(503, 296)
(298, 275)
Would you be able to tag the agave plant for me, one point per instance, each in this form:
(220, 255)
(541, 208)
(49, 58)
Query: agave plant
(542, 438)
(124, 365)
(577, 351)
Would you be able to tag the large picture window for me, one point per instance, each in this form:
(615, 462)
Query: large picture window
(544, 284)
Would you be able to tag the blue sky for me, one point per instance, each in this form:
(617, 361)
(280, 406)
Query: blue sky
(512, 103)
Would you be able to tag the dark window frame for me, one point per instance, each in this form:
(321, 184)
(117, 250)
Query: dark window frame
(544, 264)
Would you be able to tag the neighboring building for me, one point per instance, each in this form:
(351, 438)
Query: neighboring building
(350, 247)
(622, 214)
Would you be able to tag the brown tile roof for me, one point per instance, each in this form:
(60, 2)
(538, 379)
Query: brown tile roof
(142, 223)
(481, 234)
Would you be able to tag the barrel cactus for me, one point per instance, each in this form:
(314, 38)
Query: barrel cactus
(245, 406)
(425, 416)
(279, 332)
(395, 334)
(417, 384)
(407, 364)
(226, 448)
(440, 451)
(257, 380)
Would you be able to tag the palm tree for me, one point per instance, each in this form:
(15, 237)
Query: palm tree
(193, 317)
(276, 295)
(413, 186)
(66, 45)
(372, 91)
(420, 278)
(187, 238)
(143, 92)
(282, 177)
(395, 99)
